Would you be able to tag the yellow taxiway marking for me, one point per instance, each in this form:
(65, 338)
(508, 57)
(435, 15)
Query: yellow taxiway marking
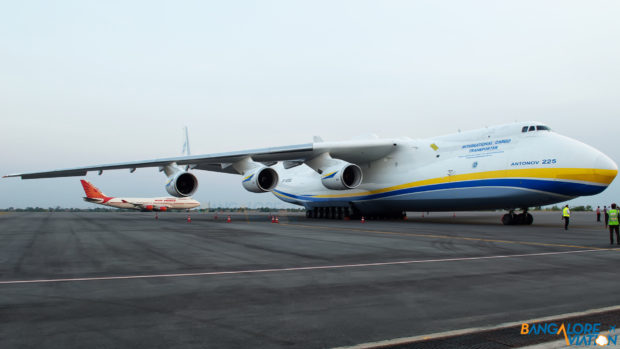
(451, 237)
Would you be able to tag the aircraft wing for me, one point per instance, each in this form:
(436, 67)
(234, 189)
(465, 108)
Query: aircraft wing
(352, 151)
(137, 205)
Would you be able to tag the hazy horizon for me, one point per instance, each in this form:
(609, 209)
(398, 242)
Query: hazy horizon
(89, 83)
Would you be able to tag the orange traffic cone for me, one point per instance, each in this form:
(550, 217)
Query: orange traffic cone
(228, 220)
(277, 220)
(273, 219)
(189, 219)
(215, 217)
(363, 219)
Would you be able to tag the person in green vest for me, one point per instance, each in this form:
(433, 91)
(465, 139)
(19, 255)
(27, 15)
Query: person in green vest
(614, 222)
(566, 216)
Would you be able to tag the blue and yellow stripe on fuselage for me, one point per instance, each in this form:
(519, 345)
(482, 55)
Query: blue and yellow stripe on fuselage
(560, 182)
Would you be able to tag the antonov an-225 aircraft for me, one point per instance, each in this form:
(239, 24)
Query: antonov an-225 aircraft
(514, 166)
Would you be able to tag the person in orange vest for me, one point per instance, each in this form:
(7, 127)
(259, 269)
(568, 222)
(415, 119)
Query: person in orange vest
(598, 213)
(614, 223)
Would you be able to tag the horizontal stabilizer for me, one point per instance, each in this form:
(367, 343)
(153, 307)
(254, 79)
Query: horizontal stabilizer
(93, 200)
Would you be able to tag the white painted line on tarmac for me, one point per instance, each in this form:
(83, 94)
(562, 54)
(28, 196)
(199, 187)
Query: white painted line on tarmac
(276, 270)
(467, 331)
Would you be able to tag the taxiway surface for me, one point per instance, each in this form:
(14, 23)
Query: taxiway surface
(125, 280)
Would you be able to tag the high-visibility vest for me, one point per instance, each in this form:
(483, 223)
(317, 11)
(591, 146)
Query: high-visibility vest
(566, 212)
(613, 217)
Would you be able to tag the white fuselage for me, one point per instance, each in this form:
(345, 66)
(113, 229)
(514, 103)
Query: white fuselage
(148, 204)
(501, 167)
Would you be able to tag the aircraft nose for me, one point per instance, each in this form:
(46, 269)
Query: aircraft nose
(605, 169)
(603, 162)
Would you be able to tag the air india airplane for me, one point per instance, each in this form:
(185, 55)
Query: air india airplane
(512, 167)
(95, 196)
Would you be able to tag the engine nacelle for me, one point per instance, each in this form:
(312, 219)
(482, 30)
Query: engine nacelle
(182, 184)
(342, 176)
(260, 180)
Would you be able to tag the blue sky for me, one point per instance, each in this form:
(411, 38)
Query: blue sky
(89, 82)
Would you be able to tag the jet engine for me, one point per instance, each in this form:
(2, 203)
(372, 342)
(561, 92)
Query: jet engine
(182, 184)
(342, 176)
(260, 180)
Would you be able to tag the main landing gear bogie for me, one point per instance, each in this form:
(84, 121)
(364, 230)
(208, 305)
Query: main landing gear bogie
(512, 218)
(328, 212)
(347, 213)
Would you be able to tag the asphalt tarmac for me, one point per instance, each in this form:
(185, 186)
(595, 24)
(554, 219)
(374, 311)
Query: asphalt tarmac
(126, 280)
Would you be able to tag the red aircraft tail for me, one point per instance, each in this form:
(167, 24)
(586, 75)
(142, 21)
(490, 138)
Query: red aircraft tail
(91, 191)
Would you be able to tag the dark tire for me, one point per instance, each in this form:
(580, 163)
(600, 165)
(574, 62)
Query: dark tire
(529, 219)
(519, 219)
(507, 219)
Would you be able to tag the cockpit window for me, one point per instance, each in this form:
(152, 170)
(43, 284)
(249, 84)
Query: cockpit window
(535, 128)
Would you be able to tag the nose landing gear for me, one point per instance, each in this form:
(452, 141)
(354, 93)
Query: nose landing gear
(511, 218)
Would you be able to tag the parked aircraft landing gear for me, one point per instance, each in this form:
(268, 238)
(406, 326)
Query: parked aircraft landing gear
(512, 218)
(350, 213)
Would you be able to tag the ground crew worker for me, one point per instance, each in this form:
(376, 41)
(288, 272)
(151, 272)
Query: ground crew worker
(614, 222)
(606, 215)
(566, 216)
(598, 213)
